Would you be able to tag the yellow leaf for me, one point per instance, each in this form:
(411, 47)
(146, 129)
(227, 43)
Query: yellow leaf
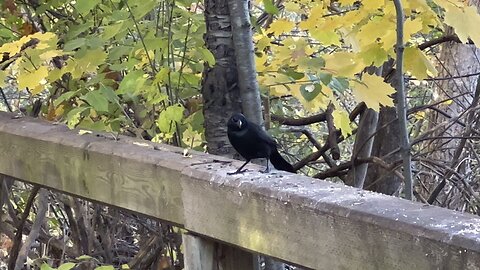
(50, 54)
(373, 54)
(11, 48)
(280, 26)
(277, 83)
(419, 115)
(430, 19)
(3, 77)
(33, 79)
(373, 4)
(47, 40)
(466, 22)
(447, 102)
(342, 64)
(55, 74)
(279, 90)
(418, 5)
(418, 64)
(83, 132)
(293, 7)
(60, 110)
(377, 29)
(347, 2)
(350, 39)
(260, 63)
(39, 88)
(373, 91)
(448, 4)
(412, 27)
(85, 62)
(326, 36)
(263, 42)
(341, 121)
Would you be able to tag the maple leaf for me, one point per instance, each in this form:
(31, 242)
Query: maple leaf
(418, 64)
(411, 27)
(3, 77)
(280, 26)
(465, 21)
(373, 91)
(342, 64)
(341, 121)
(32, 80)
(374, 54)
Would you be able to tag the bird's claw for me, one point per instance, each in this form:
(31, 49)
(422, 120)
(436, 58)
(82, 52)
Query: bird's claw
(265, 171)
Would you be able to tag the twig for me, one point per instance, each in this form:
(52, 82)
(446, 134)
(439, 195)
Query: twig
(461, 145)
(321, 117)
(402, 104)
(332, 136)
(42, 207)
(17, 241)
(5, 100)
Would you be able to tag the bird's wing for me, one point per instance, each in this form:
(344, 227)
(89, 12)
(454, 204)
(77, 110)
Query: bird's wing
(263, 135)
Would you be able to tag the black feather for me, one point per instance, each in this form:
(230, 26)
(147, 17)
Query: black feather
(251, 142)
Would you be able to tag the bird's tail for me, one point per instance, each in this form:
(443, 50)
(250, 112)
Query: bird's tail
(280, 163)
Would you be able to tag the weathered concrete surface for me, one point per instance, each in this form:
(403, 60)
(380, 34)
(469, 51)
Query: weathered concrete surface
(295, 218)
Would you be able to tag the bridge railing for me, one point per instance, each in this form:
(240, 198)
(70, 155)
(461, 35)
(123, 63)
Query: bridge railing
(297, 219)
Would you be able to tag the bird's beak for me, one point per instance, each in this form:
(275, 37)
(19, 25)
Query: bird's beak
(239, 123)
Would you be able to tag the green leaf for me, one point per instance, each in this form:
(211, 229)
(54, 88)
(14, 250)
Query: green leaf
(112, 30)
(83, 258)
(162, 75)
(270, 7)
(118, 51)
(143, 8)
(76, 30)
(64, 97)
(74, 44)
(105, 267)
(109, 93)
(159, 43)
(84, 6)
(290, 72)
(173, 113)
(97, 101)
(45, 266)
(339, 84)
(133, 81)
(74, 116)
(66, 266)
(207, 56)
(309, 91)
(325, 78)
(94, 42)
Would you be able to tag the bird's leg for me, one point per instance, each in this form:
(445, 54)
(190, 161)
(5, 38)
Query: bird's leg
(267, 170)
(240, 169)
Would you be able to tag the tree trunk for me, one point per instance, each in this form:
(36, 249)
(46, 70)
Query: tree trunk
(244, 52)
(220, 90)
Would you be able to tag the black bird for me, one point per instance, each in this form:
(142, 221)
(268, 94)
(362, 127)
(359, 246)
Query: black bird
(251, 141)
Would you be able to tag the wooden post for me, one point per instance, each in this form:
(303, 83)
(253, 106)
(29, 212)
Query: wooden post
(205, 254)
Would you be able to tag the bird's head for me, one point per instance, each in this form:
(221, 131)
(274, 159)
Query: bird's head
(237, 122)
